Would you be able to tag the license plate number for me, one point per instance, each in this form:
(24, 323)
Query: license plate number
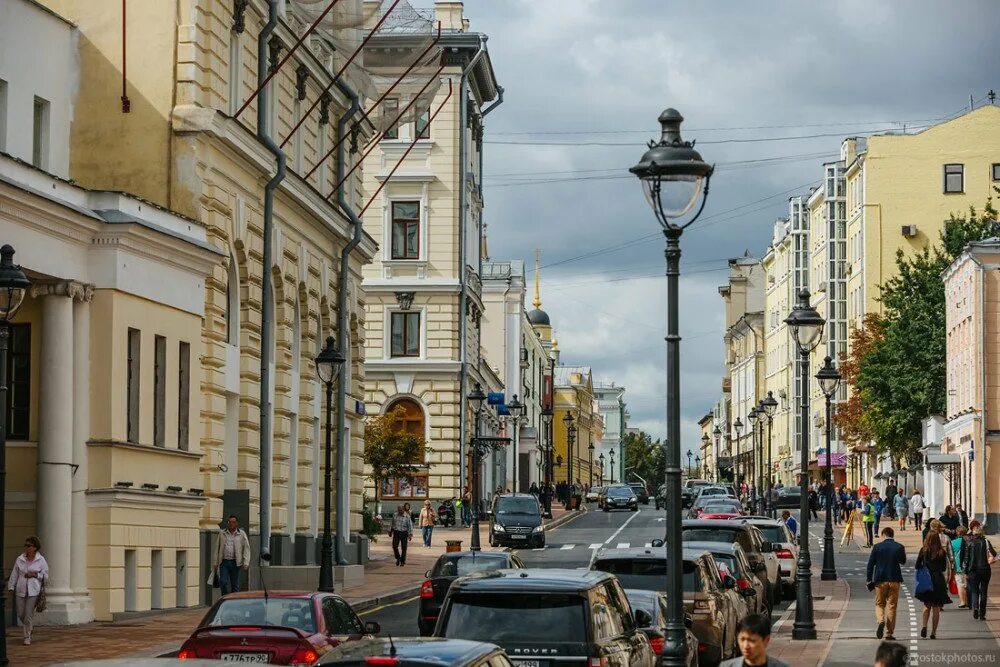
(522, 537)
(244, 657)
(525, 663)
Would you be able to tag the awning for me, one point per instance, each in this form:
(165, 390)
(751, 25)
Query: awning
(836, 460)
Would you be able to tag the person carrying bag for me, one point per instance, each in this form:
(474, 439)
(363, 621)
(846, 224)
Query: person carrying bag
(977, 556)
(27, 581)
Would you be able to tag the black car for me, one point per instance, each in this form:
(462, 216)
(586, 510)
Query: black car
(789, 497)
(548, 618)
(516, 521)
(407, 652)
(758, 549)
(654, 603)
(448, 568)
(641, 492)
(620, 497)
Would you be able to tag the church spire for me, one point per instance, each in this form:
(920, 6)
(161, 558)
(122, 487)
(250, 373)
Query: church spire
(537, 303)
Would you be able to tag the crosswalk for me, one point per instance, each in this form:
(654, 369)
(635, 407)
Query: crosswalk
(594, 546)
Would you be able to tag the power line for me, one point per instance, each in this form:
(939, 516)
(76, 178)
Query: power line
(718, 129)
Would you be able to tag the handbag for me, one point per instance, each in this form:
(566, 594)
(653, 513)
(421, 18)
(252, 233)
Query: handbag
(42, 601)
(923, 582)
(953, 585)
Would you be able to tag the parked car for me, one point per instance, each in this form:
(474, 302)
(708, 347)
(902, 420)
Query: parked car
(789, 497)
(620, 497)
(281, 628)
(690, 489)
(717, 508)
(654, 603)
(785, 548)
(703, 501)
(448, 568)
(516, 521)
(542, 617)
(641, 492)
(715, 490)
(713, 613)
(759, 551)
(414, 652)
(732, 560)
(594, 493)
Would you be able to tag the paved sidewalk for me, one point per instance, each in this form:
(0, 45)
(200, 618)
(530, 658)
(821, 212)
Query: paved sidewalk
(160, 633)
(830, 599)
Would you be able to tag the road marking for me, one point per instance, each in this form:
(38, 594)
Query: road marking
(596, 545)
(366, 612)
(622, 527)
(623, 545)
(567, 547)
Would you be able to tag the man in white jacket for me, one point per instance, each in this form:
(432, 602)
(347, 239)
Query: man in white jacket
(232, 554)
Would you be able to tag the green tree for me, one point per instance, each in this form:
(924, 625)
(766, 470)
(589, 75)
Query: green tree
(643, 456)
(390, 450)
(899, 376)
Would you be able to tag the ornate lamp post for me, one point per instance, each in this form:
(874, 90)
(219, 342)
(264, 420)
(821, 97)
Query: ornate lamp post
(13, 286)
(601, 461)
(752, 417)
(717, 432)
(705, 442)
(829, 381)
(770, 406)
(738, 427)
(807, 330)
(516, 409)
(549, 451)
(476, 399)
(611, 468)
(673, 176)
(590, 456)
(328, 365)
(697, 464)
(689, 462)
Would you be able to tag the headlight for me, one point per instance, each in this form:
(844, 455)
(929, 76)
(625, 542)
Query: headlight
(497, 528)
(538, 529)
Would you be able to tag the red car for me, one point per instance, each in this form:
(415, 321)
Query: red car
(283, 628)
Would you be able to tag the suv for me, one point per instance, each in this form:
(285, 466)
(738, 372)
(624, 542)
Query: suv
(714, 608)
(545, 617)
(641, 492)
(427, 652)
(690, 489)
(448, 568)
(620, 496)
(759, 551)
(516, 521)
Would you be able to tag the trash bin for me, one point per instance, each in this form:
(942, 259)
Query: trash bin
(453, 545)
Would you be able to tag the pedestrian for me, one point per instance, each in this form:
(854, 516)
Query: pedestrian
(885, 576)
(879, 504)
(868, 519)
(890, 654)
(890, 497)
(533, 489)
(862, 492)
(902, 509)
(813, 501)
(27, 581)
(790, 521)
(933, 556)
(401, 531)
(956, 550)
(950, 520)
(917, 508)
(977, 557)
(753, 634)
(467, 508)
(232, 555)
(426, 520)
(963, 516)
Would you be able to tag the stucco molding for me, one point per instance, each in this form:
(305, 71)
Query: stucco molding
(139, 499)
(424, 366)
(194, 455)
(67, 288)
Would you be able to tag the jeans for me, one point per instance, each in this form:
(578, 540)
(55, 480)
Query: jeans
(979, 582)
(878, 520)
(466, 515)
(427, 530)
(918, 518)
(868, 531)
(229, 577)
(886, 597)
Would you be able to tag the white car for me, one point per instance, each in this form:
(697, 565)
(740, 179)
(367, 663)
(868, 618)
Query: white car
(785, 548)
(591, 496)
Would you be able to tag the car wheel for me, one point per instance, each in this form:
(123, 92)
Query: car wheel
(605, 508)
(494, 542)
(635, 509)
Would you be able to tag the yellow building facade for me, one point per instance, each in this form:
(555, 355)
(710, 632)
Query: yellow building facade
(574, 395)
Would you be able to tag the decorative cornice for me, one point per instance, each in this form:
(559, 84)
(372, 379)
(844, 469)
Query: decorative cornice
(239, 15)
(324, 108)
(274, 46)
(405, 299)
(301, 77)
(68, 288)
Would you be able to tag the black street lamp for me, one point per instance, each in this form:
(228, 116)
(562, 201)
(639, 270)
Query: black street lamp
(829, 381)
(601, 460)
(328, 364)
(807, 330)
(717, 432)
(752, 417)
(697, 464)
(689, 462)
(549, 451)
(516, 410)
(770, 407)
(476, 399)
(13, 286)
(571, 454)
(738, 427)
(673, 175)
(611, 468)
(590, 452)
(705, 442)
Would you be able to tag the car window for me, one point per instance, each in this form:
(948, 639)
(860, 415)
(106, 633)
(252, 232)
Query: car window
(516, 506)
(349, 623)
(775, 533)
(621, 605)
(646, 573)
(520, 617)
(708, 534)
(606, 619)
(730, 563)
(710, 577)
(288, 612)
(467, 564)
(620, 492)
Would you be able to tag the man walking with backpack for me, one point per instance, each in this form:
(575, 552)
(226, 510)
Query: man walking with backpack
(885, 576)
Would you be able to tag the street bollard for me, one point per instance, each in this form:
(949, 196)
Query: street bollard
(452, 545)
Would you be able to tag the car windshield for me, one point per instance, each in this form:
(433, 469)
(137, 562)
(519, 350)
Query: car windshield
(639, 599)
(288, 612)
(620, 492)
(467, 564)
(709, 535)
(713, 492)
(646, 573)
(517, 506)
(774, 533)
(722, 507)
(523, 618)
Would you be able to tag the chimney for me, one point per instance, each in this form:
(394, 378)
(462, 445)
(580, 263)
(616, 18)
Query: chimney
(450, 14)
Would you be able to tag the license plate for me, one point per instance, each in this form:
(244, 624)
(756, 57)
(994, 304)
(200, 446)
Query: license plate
(525, 663)
(244, 657)
(522, 537)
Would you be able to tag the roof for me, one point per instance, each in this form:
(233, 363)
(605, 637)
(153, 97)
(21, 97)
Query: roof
(540, 579)
(275, 594)
(713, 523)
(432, 649)
(563, 373)
(714, 547)
(538, 317)
(687, 553)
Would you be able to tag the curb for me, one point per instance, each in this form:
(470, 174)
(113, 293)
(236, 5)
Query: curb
(565, 518)
(397, 595)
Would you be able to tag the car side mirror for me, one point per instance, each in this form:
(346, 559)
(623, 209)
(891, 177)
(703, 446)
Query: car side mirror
(656, 543)
(643, 618)
(766, 547)
(372, 628)
(748, 592)
(728, 581)
(427, 574)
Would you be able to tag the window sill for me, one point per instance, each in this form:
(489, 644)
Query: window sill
(183, 453)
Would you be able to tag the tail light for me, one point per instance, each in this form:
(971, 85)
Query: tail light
(742, 584)
(381, 660)
(186, 654)
(784, 553)
(702, 647)
(304, 656)
(657, 644)
(598, 662)
(427, 589)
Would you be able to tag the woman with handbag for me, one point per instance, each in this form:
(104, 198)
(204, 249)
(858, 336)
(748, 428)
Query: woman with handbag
(27, 580)
(977, 557)
(427, 519)
(933, 593)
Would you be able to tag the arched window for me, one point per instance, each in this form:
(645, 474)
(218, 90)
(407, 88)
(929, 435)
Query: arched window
(410, 486)
(413, 419)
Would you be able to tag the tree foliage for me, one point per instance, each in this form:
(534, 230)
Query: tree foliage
(897, 365)
(644, 456)
(390, 450)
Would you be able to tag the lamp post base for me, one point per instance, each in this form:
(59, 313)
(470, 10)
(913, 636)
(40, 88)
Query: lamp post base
(828, 576)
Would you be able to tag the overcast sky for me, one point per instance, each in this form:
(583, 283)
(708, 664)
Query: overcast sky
(606, 69)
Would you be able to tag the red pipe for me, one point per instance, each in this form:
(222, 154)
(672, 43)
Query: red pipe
(126, 103)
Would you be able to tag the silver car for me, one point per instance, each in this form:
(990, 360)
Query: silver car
(785, 548)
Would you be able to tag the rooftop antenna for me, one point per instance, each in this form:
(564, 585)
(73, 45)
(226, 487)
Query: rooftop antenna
(991, 96)
(972, 103)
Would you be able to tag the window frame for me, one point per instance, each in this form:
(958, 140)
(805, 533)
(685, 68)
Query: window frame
(960, 174)
(405, 354)
(12, 354)
(422, 109)
(390, 486)
(159, 391)
(133, 381)
(406, 224)
(391, 132)
(995, 172)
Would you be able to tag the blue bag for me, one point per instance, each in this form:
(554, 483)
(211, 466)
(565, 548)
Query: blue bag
(923, 583)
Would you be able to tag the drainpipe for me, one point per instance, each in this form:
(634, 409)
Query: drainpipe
(983, 432)
(343, 335)
(267, 306)
(463, 149)
(482, 115)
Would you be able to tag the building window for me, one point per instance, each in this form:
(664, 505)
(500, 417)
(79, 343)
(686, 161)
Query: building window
(19, 381)
(405, 230)
(405, 487)
(412, 417)
(183, 394)
(996, 165)
(159, 390)
(390, 109)
(3, 115)
(40, 135)
(132, 383)
(405, 334)
(422, 124)
(954, 178)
